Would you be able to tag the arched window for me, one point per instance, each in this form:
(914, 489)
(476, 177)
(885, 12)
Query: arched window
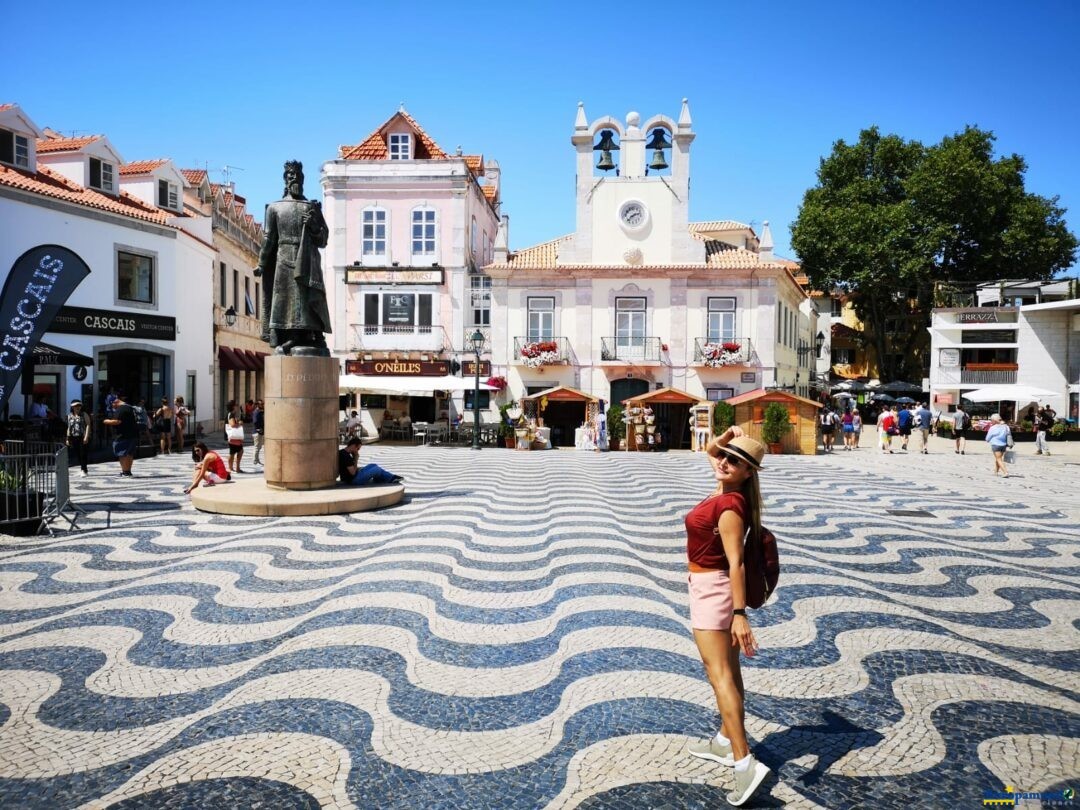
(373, 233)
(424, 229)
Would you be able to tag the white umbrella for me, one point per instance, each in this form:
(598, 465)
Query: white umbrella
(1020, 394)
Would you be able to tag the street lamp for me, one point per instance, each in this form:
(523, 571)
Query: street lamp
(477, 340)
(230, 316)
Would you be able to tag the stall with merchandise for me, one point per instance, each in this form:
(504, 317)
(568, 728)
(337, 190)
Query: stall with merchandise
(660, 420)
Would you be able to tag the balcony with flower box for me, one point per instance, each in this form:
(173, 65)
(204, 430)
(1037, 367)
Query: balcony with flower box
(630, 350)
(536, 353)
(720, 353)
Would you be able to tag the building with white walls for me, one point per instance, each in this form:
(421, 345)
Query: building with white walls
(411, 226)
(137, 322)
(639, 297)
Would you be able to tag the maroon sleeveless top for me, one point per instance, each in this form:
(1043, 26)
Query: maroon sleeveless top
(703, 544)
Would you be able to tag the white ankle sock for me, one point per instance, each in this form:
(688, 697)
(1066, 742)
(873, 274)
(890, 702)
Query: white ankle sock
(721, 739)
(743, 764)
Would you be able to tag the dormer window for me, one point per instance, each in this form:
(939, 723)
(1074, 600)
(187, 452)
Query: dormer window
(101, 175)
(400, 146)
(14, 149)
(168, 195)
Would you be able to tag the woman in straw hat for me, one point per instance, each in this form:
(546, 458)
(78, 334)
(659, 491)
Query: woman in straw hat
(715, 530)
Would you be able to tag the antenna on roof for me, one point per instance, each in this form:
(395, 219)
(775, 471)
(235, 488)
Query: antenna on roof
(226, 173)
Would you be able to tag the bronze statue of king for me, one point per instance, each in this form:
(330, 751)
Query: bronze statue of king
(295, 317)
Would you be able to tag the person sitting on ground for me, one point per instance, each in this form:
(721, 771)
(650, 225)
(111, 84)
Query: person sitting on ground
(368, 474)
(209, 467)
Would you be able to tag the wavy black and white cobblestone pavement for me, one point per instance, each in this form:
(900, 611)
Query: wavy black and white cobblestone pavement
(515, 634)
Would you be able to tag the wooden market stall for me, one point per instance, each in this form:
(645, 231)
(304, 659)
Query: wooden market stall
(802, 415)
(660, 419)
(562, 409)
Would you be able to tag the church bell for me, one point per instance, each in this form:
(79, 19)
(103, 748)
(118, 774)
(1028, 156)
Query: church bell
(658, 144)
(605, 147)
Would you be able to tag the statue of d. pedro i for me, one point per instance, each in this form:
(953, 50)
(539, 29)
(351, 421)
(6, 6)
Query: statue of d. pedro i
(294, 314)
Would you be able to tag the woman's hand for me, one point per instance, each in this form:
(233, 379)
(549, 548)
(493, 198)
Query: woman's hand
(743, 637)
(736, 431)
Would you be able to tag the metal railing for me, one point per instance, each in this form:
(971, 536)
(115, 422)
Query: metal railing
(34, 487)
(541, 352)
(628, 348)
(723, 351)
(964, 376)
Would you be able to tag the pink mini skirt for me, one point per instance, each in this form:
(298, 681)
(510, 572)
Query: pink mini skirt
(710, 600)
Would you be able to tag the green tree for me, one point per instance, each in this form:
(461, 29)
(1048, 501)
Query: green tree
(889, 218)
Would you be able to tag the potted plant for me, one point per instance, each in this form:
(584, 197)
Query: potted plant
(506, 427)
(723, 417)
(775, 425)
(22, 506)
(616, 427)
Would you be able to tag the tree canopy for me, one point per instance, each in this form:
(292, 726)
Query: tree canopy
(890, 217)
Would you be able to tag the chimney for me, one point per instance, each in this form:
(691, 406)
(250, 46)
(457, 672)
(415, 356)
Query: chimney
(502, 240)
(765, 243)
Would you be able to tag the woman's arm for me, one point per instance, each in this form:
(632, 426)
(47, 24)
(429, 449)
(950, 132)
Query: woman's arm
(714, 446)
(732, 530)
(200, 472)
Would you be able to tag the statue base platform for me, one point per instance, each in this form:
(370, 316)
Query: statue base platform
(254, 498)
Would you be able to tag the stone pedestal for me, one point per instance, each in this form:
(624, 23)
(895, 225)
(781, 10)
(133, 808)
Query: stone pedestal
(301, 433)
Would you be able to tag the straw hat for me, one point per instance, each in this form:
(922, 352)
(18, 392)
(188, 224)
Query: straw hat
(746, 449)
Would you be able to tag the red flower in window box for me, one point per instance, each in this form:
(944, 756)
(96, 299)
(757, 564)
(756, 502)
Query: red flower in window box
(732, 346)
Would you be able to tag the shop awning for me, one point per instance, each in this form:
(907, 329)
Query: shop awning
(259, 358)
(229, 360)
(406, 386)
(248, 358)
(45, 354)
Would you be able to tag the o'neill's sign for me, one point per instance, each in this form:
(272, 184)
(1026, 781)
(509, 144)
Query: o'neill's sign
(39, 283)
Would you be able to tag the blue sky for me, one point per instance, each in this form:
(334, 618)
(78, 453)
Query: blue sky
(771, 86)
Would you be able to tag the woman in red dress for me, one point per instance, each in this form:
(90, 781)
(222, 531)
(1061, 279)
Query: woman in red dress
(209, 468)
(715, 532)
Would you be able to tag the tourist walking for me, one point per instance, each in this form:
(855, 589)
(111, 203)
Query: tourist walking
(886, 424)
(126, 439)
(209, 468)
(847, 427)
(828, 428)
(904, 419)
(234, 435)
(180, 420)
(163, 425)
(1044, 420)
(78, 434)
(923, 420)
(999, 437)
(961, 424)
(715, 529)
(258, 425)
(856, 428)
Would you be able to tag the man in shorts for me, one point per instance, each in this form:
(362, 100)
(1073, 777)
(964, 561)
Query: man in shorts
(903, 422)
(923, 419)
(828, 427)
(126, 436)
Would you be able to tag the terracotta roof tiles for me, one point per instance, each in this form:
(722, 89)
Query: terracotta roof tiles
(52, 184)
(374, 146)
(718, 225)
(194, 176)
(475, 164)
(537, 256)
(142, 166)
(46, 145)
(490, 193)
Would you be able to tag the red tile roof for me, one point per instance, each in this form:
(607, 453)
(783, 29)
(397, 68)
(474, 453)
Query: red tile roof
(490, 193)
(6, 107)
(142, 166)
(374, 146)
(46, 145)
(719, 225)
(475, 164)
(52, 184)
(758, 393)
(194, 176)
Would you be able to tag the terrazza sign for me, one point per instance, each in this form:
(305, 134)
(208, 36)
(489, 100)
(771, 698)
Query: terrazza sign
(398, 368)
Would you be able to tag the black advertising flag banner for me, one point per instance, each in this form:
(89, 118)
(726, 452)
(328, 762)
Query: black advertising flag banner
(39, 283)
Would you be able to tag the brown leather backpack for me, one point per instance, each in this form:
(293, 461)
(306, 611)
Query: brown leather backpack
(761, 563)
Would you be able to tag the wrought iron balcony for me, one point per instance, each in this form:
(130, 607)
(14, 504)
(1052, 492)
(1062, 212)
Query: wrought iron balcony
(976, 374)
(630, 349)
(723, 352)
(542, 352)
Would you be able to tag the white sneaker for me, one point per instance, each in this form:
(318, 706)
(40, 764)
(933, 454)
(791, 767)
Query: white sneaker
(711, 749)
(746, 782)
(84, 474)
